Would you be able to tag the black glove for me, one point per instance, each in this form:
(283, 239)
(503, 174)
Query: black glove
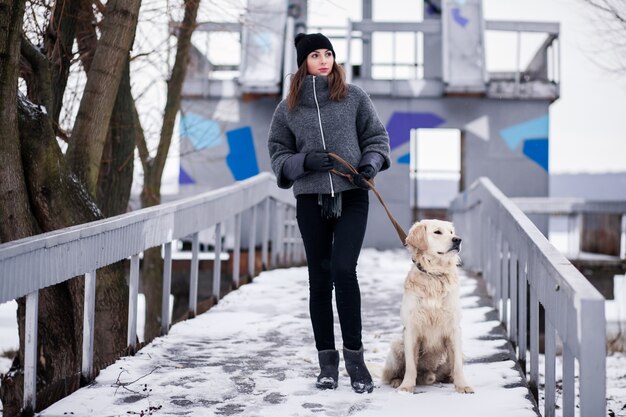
(317, 161)
(366, 172)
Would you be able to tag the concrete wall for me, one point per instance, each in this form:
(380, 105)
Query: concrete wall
(224, 140)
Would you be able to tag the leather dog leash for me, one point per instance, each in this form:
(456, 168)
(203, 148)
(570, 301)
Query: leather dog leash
(370, 182)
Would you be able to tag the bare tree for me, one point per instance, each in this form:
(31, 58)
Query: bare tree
(52, 198)
(153, 166)
(610, 19)
(41, 189)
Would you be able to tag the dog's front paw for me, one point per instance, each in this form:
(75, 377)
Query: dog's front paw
(466, 389)
(406, 388)
(395, 383)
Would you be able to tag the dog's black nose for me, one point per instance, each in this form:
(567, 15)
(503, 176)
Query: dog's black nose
(456, 240)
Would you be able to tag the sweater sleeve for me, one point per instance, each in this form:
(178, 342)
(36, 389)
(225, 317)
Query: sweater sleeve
(373, 136)
(281, 144)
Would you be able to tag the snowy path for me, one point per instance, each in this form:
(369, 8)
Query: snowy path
(253, 355)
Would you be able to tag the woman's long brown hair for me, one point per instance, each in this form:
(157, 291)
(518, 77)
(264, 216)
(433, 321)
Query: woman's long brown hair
(337, 86)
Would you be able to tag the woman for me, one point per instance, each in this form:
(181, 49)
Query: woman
(323, 114)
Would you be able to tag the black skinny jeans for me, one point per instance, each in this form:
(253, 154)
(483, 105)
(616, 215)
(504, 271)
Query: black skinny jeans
(332, 248)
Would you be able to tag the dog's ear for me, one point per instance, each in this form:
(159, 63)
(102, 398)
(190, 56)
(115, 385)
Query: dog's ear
(417, 237)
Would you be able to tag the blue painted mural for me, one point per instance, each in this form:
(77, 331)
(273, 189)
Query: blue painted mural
(184, 178)
(201, 132)
(530, 129)
(242, 159)
(533, 135)
(538, 151)
(458, 18)
(400, 125)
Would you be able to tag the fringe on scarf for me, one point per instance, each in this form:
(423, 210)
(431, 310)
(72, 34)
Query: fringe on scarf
(330, 206)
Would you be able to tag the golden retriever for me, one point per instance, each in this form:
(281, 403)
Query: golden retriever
(430, 349)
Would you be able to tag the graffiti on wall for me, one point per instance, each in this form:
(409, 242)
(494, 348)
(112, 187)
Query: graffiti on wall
(532, 135)
(204, 133)
(241, 159)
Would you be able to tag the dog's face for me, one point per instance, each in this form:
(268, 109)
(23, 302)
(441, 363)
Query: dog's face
(434, 237)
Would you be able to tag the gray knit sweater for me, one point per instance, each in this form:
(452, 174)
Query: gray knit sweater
(350, 128)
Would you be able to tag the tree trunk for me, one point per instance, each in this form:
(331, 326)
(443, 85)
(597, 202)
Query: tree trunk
(152, 273)
(90, 130)
(116, 167)
(17, 222)
(60, 201)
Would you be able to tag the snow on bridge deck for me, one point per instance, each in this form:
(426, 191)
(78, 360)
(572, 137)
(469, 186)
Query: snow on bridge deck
(253, 355)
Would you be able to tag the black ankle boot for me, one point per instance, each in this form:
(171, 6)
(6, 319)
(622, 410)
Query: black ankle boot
(360, 378)
(329, 366)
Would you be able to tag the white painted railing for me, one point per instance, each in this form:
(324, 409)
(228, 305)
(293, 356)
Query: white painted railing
(31, 264)
(523, 270)
(574, 209)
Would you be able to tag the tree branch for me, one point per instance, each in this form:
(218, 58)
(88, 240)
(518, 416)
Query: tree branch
(90, 129)
(175, 84)
(40, 85)
(142, 146)
(58, 42)
(86, 36)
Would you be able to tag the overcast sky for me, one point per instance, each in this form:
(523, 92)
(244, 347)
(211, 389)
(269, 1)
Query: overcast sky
(588, 122)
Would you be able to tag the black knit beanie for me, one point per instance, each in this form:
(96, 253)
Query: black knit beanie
(305, 44)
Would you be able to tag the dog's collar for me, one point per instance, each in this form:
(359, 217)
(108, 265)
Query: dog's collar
(422, 269)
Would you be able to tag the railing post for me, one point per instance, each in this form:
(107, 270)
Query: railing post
(522, 338)
(480, 238)
(592, 358)
(252, 243)
(514, 285)
(489, 256)
(498, 268)
(133, 289)
(569, 395)
(506, 276)
(266, 234)
(193, 279)
(217, 262)
(30, 351)
(276, 243)
(574, 228)
(550, 376)
(534, 343)
(167, 287)
(237, 251)
(89, 310)
(622, 244)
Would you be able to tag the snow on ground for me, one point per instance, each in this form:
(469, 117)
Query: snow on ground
(253, 355)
